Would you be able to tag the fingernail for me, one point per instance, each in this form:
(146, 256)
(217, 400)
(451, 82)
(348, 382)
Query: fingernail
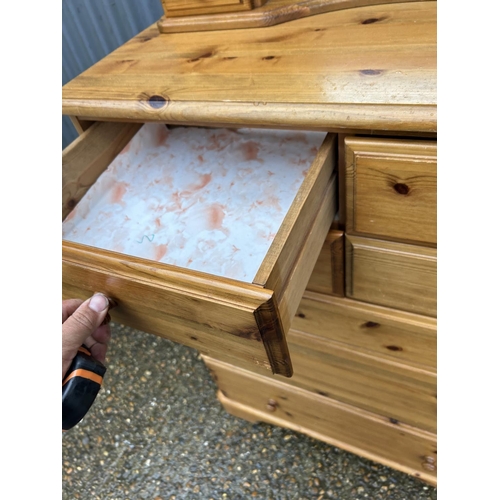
(98, 302)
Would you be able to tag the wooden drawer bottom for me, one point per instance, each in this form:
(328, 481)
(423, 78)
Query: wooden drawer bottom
(257, 398)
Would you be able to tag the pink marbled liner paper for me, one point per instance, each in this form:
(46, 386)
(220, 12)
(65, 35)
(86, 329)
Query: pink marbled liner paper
(210, 200)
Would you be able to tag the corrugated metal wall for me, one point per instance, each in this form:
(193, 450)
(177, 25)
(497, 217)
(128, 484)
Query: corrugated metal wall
(91, 29)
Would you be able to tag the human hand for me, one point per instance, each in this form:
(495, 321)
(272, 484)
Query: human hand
(85, 323)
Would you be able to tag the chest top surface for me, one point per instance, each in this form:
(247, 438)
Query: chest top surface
(369, 68)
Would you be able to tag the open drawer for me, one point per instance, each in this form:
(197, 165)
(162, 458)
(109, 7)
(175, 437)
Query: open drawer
(206, 237)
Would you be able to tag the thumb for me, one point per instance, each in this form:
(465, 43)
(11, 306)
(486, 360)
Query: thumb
(83, 323)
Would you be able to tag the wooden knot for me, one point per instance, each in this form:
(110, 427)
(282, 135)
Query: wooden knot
(401, 188)
(393, 348)
(371, 72)
(157, 101)
(371, 324)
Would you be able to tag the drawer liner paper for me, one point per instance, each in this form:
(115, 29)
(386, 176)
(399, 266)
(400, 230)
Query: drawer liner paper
(210, 200)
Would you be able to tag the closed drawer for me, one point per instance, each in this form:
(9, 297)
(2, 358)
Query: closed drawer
(391, 189)
(392, 389)
(391, 274)
(175, 8)
(388, 334)
(206, 237)
(257, 398)
(396, 391)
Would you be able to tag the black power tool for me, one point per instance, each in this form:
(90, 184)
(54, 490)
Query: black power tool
(80, 387)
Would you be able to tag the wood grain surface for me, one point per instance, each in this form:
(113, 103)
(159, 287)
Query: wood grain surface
(257, 398)
(391, 189)
(289, 292)
(328, 273)
(387, 388)
(223, 14)
(182, 305)
(338, 371)
(392, 274)
(86, 158)
(333, 71)
(398, 336)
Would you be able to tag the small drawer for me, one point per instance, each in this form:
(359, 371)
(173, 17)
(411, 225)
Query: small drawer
(391, 189)
(388, 334)
(203, 236)
(392, 274)
(257, 398)
(175, 8)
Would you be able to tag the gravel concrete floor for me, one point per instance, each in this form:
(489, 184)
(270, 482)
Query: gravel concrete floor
(157, 431)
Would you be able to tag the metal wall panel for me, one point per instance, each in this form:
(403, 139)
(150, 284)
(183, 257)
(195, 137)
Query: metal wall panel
(91, 29)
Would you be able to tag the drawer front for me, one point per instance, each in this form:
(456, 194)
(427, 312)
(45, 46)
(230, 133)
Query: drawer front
(393, 390)
(175, 8)
(257, 398)
(392, 274)
(391, 189)
(388, 334)
(199, 307)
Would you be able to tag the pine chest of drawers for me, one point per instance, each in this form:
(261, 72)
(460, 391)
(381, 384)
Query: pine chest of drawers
(333, 333)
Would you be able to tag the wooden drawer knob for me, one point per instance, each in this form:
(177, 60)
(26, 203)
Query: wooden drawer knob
(430, 463)
(271, 405)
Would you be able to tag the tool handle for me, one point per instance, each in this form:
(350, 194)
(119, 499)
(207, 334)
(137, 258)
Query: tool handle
(80, 387)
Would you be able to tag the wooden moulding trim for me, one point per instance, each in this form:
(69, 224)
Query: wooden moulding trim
(337, 263)
(273, 337)
(390, 148)
(177, 9)
(272, 13)
(80, 125)
(250, 413)
(349, 171)
(393, 247)
(391, 316)
(324, 117)
(207, 287)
